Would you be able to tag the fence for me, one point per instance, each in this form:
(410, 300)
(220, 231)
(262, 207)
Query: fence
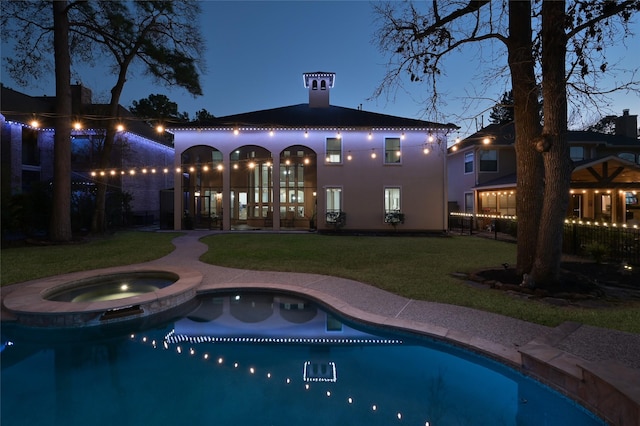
(590, 240)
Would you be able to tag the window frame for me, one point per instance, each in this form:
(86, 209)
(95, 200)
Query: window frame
(392, 156)
(387, 199)
(471, 162)
(480, 161)
(329, 153)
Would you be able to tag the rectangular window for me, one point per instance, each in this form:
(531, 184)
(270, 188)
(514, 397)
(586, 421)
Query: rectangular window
(30, 151)
(334, 214)
(334, 199)
(576, 153)
(334, 150)
(489, 160)
(392, 150)
(391, 200)
(468, 202)
(468, 162)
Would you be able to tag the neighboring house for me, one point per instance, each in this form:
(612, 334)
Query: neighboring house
(312, 165)
(605, 183)
(27, 152)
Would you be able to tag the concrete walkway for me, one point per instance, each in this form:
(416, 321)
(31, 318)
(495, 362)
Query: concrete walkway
(598, 367)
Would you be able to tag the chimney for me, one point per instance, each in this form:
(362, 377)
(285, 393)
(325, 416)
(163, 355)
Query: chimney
(627, 125)
(80, 96)
(319, 84)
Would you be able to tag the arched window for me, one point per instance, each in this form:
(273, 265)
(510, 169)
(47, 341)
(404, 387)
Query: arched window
(314, 85)
(323, 85)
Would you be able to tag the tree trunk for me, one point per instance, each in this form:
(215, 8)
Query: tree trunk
(557, 161)
(60, 225)
(527, 129)
(99, 220)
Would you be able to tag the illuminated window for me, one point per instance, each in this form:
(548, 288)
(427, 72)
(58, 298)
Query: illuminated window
(391, 200)
(334, 213)
(334, 150)
(392, 151)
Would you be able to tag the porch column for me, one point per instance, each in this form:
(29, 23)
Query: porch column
(226, 193)
(275, 176)
(177, 192)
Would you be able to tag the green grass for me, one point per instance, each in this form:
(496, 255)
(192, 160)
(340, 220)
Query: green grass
(415, 267)
(31, 262)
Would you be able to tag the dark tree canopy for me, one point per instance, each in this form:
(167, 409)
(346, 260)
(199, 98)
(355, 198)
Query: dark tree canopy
(203, 115)
(157, 107)
(502, 112)
(606, 125)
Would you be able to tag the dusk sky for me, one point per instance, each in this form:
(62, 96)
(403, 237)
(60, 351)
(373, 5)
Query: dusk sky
(257, 51)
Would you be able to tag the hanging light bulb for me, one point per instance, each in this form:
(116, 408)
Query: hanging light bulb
(373, 153)
(349, 157)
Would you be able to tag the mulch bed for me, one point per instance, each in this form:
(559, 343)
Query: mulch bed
(582, 283)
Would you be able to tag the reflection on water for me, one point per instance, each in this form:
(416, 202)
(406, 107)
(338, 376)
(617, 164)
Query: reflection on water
(289, 368)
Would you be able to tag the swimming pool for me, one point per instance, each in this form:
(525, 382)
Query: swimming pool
(264, 359)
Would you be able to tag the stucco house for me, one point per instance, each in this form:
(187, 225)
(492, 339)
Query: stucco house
(27, 152)
(605, 183)
(312, 165)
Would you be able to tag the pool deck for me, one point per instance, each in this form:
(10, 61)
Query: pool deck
(599, 367)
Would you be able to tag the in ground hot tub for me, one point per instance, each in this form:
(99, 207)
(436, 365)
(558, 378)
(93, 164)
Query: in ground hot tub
(103, 296)
(112, 287)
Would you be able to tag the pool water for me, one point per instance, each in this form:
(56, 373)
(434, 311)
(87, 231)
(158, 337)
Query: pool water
(232, 362)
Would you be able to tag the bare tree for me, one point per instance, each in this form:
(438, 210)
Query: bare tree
(420, 39)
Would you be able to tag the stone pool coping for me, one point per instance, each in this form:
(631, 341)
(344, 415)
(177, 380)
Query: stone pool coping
(589, 364)
(28, 305)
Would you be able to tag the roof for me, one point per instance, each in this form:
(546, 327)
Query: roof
(503, 181)
(504, 135)
(21, 108)
(510, 179)
(301, 116)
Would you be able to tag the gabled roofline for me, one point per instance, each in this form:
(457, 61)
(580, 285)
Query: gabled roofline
(584, 164)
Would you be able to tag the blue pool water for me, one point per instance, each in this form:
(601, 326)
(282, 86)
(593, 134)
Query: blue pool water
(262, 359)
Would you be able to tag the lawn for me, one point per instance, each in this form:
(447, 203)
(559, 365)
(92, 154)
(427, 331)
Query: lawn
(415, 267)
(26, 263)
